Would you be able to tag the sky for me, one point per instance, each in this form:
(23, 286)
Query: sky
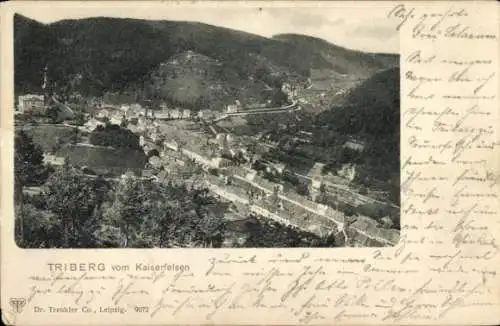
(355, 25)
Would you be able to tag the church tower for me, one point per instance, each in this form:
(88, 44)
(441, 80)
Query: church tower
(45, 86)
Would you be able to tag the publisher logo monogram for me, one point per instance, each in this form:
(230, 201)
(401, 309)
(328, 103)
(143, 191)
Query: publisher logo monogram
(17, 304)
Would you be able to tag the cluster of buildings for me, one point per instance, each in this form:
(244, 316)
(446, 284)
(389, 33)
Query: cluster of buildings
(39, 105)
(172, 148)
(208, 153)
(140, 116)
(265, 198)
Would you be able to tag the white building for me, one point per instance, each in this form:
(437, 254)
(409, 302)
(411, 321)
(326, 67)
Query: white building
(53, 159)
(162, 114)
(93, 123)
(175, 114)
(230, 139)
(231, 108)
(103, 113)
(124, 108)
(316, 184)
(278, 167)
(142, 122)
(348, 171)
(321, 209)
(171, 144)
(289, 90)
(355, 144)
(116, 119)
(31, 103)
(186, 114)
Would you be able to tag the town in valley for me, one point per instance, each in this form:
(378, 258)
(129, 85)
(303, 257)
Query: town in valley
(201, 146)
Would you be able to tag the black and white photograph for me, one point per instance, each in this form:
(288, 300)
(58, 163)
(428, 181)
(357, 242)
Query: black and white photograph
(206, 128)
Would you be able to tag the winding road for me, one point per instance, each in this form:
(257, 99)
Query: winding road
(287, 108)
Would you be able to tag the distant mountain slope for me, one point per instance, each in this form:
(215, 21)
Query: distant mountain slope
(340, 70)
(97, 55)
(370, 112)
(370, 109)
(339, 59)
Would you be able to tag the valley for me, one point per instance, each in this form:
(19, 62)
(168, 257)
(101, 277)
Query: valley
(290, 133)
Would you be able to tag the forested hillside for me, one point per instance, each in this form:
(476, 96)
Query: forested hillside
(339, 59)
(99, 55)
(370, 113)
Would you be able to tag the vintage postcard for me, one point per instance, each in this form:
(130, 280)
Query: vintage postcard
(224, 163)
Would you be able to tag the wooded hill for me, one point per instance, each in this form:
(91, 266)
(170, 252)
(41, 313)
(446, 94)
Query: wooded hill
(98, 55)
(370, 113)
